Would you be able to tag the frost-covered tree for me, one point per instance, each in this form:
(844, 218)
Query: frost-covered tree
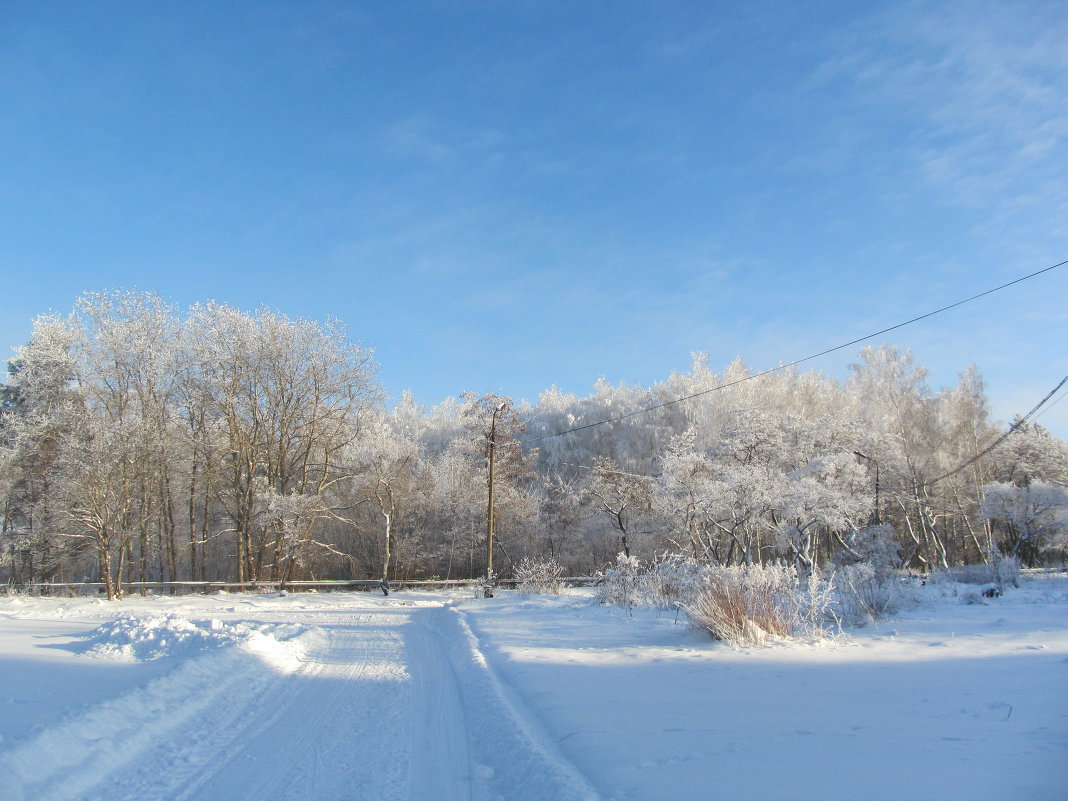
(286, 397)
(684, 493)
(1034, 516)
(100, 491)
(389, 466)
(892, 391)
(294, 518)
(826, 495)
(966, 431)
(561, 515)
(40, 410)
(718, 508)
(139, 441)
(619, 496)
(739, 517)
(127, 362)
(1031, 454)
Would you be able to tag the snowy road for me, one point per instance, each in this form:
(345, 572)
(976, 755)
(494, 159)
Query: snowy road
(395, 703)
(445, 696)
(330, 729)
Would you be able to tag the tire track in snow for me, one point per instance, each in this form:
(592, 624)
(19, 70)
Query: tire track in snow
(440, 767)
(334, 734)
(510, 754)
(391, 704)
(66, 761)
(311, 734)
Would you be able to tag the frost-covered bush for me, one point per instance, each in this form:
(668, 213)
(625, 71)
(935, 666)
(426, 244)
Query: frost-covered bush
(962, 574)
(757, 604)
(865, 578)
(1006, 570)
(620, 583)
(672, 580)
(815, 616)
(539, 576)
(1001, 571)
(866, 594)
(876, 546)
(976, 596)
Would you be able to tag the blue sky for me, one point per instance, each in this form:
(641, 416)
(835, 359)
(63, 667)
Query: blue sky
(506, 196)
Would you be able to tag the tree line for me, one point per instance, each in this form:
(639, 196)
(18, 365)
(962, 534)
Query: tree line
(141, 442)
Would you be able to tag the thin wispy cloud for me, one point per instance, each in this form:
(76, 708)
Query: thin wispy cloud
(977, 92)
(528, 194)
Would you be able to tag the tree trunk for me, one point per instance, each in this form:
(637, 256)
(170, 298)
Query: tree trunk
(104, 558)
(388, 515)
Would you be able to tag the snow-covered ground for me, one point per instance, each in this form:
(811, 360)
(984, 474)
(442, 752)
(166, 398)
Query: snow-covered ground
(448, 696)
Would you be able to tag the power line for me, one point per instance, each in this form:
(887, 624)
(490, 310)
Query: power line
(1012, 430)
(609, 471)
(995, 444)
(797, 361)
(1062, 397)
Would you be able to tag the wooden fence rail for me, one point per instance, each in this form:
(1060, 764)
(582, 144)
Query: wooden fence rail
(205, 587)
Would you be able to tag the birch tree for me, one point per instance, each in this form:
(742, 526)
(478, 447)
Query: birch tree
(39, 412)
(389, 463)
(1034, 516)
(289, 396)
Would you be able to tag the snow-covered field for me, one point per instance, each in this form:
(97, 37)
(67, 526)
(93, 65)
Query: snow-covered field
(448, 696)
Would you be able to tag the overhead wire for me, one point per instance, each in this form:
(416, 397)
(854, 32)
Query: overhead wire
(996, 443)
(1050, 406)
(796, 362)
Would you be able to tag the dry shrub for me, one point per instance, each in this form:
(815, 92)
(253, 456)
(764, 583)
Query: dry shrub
(746, 605)
(620, 583)
(742, 605)
(1000, 570)
(671, 581)
(758, 604)
(539, 576)
(866, 594)
(736, 615)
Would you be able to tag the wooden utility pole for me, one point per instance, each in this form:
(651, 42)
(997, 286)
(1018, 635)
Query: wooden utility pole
(878, 520)
(488, 590)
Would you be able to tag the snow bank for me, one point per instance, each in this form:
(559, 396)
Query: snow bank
(529, 698)
(962, 697)
(138, 637)
(65, 760)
